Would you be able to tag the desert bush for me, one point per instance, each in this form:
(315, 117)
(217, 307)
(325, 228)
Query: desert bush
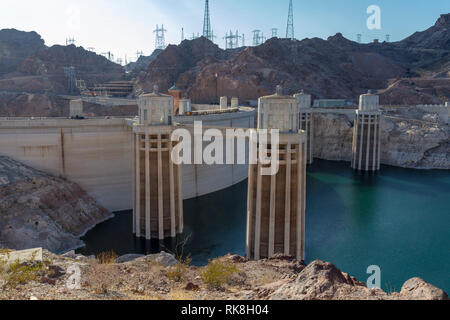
(106, 257)
(177, 272)
(17, 272)
(218, 273)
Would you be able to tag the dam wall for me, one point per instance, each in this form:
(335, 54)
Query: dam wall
(97, 154)
(94, 153)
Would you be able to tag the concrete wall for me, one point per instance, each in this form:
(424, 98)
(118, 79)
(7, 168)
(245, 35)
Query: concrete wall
(97, 154)
(93, 153)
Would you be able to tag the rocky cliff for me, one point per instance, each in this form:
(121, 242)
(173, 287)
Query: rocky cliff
(15, 47)
(157, 277)
(410, 138)
(38, 210)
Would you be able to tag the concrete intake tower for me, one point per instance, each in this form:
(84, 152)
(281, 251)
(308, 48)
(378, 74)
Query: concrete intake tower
(306, 122)
(366, 136)
(276, 204)
(158, 197)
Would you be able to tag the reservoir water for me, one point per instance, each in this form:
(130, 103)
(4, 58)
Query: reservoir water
(397, 219)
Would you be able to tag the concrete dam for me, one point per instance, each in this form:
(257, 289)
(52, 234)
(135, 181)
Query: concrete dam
(97, 153)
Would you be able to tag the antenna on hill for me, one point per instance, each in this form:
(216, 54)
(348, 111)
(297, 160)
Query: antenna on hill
(290, 24)
(182, 34)
(138, 54)
(243, 39)
(388, 38)
(160, 41)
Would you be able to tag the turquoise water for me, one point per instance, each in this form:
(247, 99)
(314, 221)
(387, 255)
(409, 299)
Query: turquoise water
(398, 219)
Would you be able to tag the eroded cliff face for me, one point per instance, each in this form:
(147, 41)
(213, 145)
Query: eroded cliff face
(39, 210)
(420, 141)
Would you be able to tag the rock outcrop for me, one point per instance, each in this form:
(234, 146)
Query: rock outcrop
(15, 47)
(38, 210)
(413, 139)
(160, 277)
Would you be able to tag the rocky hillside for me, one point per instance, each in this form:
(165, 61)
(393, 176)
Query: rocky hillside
(410, 138)
(15, 47)
(38, 210)
(332, 68)
(134, 68)
(160, 277)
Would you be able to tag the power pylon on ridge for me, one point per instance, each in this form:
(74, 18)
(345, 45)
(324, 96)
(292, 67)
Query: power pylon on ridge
(108, 55)
(359, 37)
(258, 37)
(243, 39)
(388, 38)
(232, 40)
(207, 31)
(274, 32)
(70, 41)
(290, 24)
(160, 40)
(70, 74)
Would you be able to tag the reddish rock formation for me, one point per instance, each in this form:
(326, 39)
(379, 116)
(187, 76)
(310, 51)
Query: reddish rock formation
(337, 68)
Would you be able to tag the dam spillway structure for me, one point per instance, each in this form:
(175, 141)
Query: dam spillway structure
(276, 203)
(366, 153)
(306, 122)
(158, 196)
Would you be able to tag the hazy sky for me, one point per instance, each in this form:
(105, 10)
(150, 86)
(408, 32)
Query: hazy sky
(126, 26)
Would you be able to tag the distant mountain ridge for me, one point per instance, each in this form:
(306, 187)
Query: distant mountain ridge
(336, 67)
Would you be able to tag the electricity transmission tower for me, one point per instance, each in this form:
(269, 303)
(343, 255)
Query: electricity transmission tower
(70, 41)
(359, 37)
(274, 32)
(207, 31)
(388, 38)
(160, 41)
(232, 40)
(290, 24)
(258, 37)
(70, 74)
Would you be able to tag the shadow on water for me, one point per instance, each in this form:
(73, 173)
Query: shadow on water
(398, 219)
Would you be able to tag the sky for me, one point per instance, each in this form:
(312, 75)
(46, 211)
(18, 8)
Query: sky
(126, 27)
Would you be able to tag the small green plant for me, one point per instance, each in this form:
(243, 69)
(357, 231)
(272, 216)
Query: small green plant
(21, 273)
(177, 272)
(218, 273)
(106, 257)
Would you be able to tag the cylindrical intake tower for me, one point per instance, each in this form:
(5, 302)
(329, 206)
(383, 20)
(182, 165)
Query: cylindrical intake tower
(306, 122)
(158, 198)
(276, 203)
(366, 151)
